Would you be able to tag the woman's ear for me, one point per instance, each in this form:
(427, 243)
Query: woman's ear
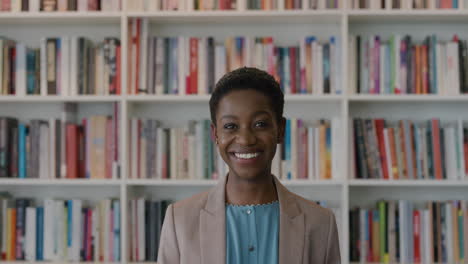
(281, 129)
(214, 136)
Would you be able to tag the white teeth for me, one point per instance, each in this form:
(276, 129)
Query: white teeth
(246, 155)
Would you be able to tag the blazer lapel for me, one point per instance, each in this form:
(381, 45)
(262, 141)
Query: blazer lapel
(292, 226)
(213, 226)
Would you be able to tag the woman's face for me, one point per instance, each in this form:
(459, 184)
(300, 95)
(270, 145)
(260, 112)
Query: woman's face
(247, 132)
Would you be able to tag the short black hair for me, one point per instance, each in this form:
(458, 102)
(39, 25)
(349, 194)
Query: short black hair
(248, 78)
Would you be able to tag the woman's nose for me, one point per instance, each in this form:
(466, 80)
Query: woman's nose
(246, 137)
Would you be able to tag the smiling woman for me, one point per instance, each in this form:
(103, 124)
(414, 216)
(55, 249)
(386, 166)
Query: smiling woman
(249, 217)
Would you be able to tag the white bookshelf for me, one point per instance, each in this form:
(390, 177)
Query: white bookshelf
(286, 27)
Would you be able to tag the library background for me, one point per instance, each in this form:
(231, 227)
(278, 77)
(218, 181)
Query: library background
(104, 120)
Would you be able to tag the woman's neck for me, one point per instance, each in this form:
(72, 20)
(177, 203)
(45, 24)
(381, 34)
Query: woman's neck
(244, 192)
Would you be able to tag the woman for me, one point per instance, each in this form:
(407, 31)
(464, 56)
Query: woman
(249, 217)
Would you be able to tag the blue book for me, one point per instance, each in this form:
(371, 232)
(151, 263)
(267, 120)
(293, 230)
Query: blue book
(116, 208)
(434, 64)
(69, 209)
(40, 233)
(174, 67)
(31, 71)
(22, 131)
(455, 4)
(287, 147)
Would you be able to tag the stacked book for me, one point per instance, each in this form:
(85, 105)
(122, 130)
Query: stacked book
(399, 65)
(59, 5)
(145, 221)
(410, 150)
(61, 66)
(206, 5)
(59, 230)
(404, 232)
(60, 148)
(192, 65)
(409, 4)
(310, 151)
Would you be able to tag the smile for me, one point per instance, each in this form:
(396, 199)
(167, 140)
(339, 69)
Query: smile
(247, 155)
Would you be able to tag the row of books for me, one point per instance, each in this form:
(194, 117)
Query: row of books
(145, 221)
(59, 5)
(204, 5)
(61, 66)
(59, 230)
(410, 150)
(60, 148)
(405, 232)
(409, 4)
(192, 65)
(310, 151)
(401, 66)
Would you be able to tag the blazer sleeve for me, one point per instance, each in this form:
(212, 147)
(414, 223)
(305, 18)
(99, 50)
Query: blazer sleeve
(333, 244)
(168, 247)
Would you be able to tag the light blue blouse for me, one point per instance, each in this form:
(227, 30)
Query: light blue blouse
(252, 234)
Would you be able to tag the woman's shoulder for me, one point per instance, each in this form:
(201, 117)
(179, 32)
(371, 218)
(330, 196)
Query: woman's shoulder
(195, 202)
(312, 209)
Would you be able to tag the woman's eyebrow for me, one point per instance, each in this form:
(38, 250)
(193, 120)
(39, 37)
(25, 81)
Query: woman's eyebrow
(229, 117)
(261, 112)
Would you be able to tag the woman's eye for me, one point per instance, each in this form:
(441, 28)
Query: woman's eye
(260, 124)
(229, 126)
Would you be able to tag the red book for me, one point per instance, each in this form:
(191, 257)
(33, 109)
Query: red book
(138, 149)
(379, 128)
(82, 149)
(89, 239)
(72, 151)
(193, 66)
(436, 149)
(446, 4)
(116, 131)
(424, 69)
(292, 66)
(369, 227)
(417, 236)
(109, 141)
(93, 5)
(137, 43)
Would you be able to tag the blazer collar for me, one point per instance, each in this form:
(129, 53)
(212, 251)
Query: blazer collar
(213, 226)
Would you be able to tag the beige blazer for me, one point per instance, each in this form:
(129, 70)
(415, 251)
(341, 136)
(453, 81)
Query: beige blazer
(194, 230)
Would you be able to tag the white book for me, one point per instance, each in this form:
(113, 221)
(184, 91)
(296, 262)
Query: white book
(320, 69)
(143, 146)
(95, 233)
(310, 154)
(280, 5)
(173, 154)
(450, 153)
(220, 61)
(402, 234)
(294, 149)
(49, 229)
(15, 6)
(387, 153)
(352, 67)
(65, 65)
(427, 241)
(182, 57)
(143, 52)
(160, 148)
(382, 68)
(44, 152)
(73, 72)
(202, 66)
(101, 72)
(141, 229)
(190, 5)
(43, 69)
(316, 88)
(336, 131)
(440, 69)
(2, 43)
(52, 153)
(106, 5)
(159, 84)
(82, 5)
(62, 5)
(34, 6)
(60, 232)
(317, 152)
(191, 155)
(321, 4)
(153, 5)
(199, 151)
(388, 4)
(30, 238)
(134, 148)
(461, 4)
(460, 151)
(432, 4)
(20, 72)
(74, 255)
(305, 5)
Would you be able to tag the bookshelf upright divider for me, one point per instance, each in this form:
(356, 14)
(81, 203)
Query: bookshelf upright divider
(345, 106)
